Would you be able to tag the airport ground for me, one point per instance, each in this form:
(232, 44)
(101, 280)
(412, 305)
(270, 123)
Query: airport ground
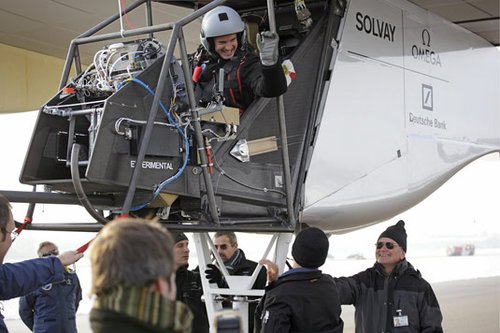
(468, 306)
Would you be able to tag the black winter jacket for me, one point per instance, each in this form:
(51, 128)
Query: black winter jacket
(241, 266)
(301, 300)
(377, 298)
(245, 79)
(189, 291)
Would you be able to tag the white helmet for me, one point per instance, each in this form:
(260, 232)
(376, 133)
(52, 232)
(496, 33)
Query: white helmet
(220, 21)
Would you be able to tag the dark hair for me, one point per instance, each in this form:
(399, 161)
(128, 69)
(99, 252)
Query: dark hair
(5, 215)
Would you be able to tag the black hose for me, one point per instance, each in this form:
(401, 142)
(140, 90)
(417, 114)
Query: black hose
(77, 184)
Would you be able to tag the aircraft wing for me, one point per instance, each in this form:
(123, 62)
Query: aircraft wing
(33, 27)
(482, 17)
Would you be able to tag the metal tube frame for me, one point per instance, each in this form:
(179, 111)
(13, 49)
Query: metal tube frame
(55, 198)
(73, 53)
(177, 34)
(283, 134)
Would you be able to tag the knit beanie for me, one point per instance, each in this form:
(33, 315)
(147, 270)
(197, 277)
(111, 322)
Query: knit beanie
(310, 248)
(397, 233)
(178, 236)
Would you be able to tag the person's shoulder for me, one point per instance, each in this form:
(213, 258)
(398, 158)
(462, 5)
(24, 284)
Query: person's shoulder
(248, 263)
(413, 279)
(194, 274)
(252, 264)
(413, 272)
(327, 277)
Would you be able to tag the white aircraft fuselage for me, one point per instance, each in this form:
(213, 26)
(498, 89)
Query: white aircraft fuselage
(412, 100)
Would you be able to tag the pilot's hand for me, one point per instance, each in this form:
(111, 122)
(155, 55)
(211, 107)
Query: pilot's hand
(267, 43)
(214, 275)
(69, 257)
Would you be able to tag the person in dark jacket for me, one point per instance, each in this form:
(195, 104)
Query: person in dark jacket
(189, 289)
(52, 308)
(26, 276)
(133, 279)
(302, 299)
(246, 75)
(236, 263)
(226, 244)
(391, 296)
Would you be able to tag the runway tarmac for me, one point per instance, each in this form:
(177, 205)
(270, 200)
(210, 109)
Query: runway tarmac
(468, 306)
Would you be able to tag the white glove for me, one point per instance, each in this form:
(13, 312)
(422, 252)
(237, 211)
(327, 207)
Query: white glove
(267, 43)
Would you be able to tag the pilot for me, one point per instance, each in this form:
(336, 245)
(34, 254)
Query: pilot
(52, 308)
(189, 289)
(246, 75)
(236, 263)
(302, 299)
(391, 296)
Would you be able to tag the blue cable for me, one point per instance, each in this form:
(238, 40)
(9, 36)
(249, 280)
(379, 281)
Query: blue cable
(184, 137)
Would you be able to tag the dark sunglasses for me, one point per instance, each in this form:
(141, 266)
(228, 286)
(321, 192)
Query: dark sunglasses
(51, 253)
(222, 246)
(388, 245)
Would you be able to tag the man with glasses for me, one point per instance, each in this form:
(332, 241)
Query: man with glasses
(234, 259)
(391, 296)
(21, 278)
(236, 263)
(52, 308)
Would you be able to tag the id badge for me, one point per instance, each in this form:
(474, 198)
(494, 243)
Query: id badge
(400, 321)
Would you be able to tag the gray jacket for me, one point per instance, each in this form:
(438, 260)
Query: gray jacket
(378, 299)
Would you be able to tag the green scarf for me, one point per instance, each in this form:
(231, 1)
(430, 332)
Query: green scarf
(147, 306)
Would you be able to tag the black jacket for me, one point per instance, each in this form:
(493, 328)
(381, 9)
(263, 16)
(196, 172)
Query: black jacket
(377, 298)
(241, 266)
(245, 79)
(189, 291)
(301, 300)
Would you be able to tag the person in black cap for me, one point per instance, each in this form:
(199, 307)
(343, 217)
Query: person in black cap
(302, 299)
(189, 288)
(391, 296)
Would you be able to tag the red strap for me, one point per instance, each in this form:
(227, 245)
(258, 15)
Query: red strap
(209, 157)
(240, 88)
(84, 247)
(27, 220)
(196, 74)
